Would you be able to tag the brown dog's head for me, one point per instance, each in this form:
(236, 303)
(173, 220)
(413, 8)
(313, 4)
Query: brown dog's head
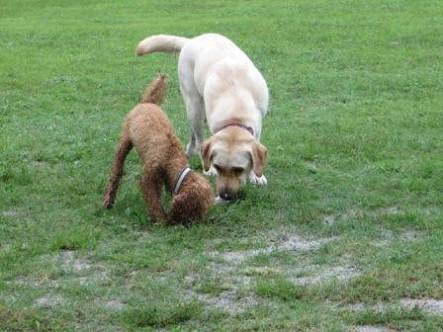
(233, 152)
(192, 202)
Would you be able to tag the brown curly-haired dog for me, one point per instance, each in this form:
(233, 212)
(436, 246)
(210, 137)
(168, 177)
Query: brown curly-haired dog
(148, 129)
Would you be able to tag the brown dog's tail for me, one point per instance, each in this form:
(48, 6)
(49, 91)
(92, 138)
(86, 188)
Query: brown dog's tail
(155, 92)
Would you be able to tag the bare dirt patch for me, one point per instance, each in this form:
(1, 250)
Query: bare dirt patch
(70, 263)
(238, 278)
(9, 213)
(321, 274)
(75, 269)
(286, 242)
(357, 213)
(433, 306)
(234, 299)
(390, 237)
(95, 277)
(81, 268)
(115, 305)
(329, 220)
(368, 328)
(294, 242)
(228, 301)
(391, 210)
(49, 301)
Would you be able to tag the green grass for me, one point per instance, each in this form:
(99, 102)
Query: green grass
(354, 135)
(278, 288)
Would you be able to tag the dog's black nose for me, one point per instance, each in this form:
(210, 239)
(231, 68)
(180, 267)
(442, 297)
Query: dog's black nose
(225, 195)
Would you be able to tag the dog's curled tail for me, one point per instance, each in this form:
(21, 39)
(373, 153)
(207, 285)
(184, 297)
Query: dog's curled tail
(160, 43)
(155, 92)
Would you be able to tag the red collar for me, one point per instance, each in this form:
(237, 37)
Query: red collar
(249, 129)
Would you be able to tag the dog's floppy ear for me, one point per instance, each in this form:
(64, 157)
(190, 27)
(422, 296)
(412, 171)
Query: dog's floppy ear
(259, 157)
(206, 154)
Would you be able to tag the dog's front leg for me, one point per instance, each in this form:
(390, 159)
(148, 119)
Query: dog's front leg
(257, 180)
(196, 115)
(152, 187)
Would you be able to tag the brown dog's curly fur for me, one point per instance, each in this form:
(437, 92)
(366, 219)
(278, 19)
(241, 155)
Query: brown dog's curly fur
(147, 128)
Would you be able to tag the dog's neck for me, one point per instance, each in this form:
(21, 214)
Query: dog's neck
(175, 164)
(235, 123)
(180, 179)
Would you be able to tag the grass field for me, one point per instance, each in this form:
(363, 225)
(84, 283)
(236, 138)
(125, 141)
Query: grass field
(348, 235)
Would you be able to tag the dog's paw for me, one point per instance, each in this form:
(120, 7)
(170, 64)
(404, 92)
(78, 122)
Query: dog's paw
(210, 172)
(107, 201)
(259, 181)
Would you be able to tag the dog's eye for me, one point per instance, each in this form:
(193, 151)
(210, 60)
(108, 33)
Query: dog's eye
(238, 170)
(217, 167)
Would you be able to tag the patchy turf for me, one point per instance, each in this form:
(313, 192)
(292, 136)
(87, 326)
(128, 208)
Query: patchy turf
(348, 235)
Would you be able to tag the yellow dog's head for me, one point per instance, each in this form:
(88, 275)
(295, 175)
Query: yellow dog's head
(233, 153)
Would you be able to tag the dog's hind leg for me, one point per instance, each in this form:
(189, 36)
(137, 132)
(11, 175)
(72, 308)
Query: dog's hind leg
(110, 193)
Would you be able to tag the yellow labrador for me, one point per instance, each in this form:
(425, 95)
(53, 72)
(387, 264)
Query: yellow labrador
(220, 83)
